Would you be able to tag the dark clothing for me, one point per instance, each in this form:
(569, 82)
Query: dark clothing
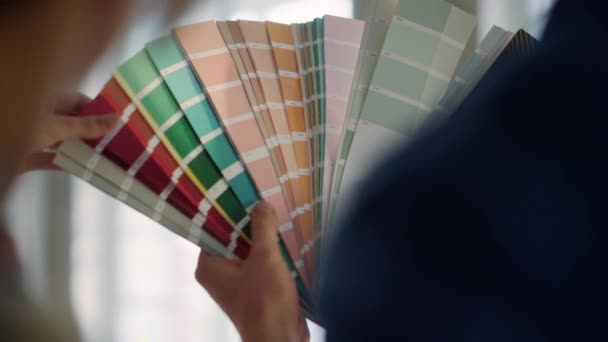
(494, 226)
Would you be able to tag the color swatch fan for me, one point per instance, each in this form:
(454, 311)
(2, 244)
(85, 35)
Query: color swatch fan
(217, 116)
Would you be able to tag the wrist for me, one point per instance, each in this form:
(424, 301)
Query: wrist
(258, 330)
(264, 337)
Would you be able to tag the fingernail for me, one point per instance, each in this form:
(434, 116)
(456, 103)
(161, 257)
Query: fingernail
(262, 207)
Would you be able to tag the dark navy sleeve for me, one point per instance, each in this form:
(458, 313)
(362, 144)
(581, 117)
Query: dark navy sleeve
(490, 227)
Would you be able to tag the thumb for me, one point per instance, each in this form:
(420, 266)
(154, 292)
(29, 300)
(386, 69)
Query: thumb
(83, 127)
(264, 226)
(213, 273)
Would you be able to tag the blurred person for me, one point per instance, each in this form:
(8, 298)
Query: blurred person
(47, 46)
(491, 227)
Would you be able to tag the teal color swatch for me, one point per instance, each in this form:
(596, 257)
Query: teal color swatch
(184, 85)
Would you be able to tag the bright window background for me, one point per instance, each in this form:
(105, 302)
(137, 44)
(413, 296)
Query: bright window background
(530, 15)
(129, 279)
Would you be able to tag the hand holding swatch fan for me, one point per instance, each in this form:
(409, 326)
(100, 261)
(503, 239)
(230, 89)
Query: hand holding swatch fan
(219, 115)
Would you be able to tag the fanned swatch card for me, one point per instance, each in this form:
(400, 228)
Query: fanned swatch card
(181, 81)
(215, 69)
(377, 15)
(127, 171)
(134, 146)
(216, 116)
(424, 43)
(498, 44)
(260, 50)
(145, 86)
(283, 48)
(141, 199)
(342, 39)
(474, 67)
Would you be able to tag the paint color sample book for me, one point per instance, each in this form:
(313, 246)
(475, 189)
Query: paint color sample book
(217, 116)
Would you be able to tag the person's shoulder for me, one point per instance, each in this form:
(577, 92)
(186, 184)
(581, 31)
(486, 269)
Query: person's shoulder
(522, 111)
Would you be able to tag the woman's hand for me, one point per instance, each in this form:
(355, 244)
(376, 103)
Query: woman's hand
(258, 294)
(60, 123)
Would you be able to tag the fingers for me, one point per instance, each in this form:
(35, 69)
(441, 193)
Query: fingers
(83, 127)
(38, 161)
(264, 226)
(62, 122)
(70, 103)
(213, 273)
